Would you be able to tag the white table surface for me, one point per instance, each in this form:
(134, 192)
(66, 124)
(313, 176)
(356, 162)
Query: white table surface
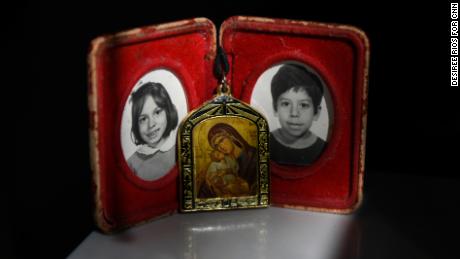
(256, 233)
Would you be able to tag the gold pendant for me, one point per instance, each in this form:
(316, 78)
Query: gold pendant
(223, 156)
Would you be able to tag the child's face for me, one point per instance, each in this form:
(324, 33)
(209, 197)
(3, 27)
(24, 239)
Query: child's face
(218, 156)
(295, 112)
(152, 122)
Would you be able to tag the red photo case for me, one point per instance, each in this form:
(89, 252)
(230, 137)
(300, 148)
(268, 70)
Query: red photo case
(177, 59)
(183, 51)
(337, 54)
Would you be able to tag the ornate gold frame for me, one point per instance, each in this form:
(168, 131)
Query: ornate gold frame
(222, 106)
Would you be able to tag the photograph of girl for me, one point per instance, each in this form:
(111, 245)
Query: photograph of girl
(149, 135)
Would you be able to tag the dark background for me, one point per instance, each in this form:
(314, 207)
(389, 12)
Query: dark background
(413, 123)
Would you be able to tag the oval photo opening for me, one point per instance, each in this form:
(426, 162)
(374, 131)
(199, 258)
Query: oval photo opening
(297, 104)
(150, 119)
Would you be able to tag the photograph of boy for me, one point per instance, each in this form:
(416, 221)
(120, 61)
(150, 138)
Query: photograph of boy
(154, 117)
(296, 95)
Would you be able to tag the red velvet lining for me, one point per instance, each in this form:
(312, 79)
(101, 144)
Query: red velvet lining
(185, 50)
(338, 55)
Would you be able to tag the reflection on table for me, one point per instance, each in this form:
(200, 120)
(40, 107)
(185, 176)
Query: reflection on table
(257, 233)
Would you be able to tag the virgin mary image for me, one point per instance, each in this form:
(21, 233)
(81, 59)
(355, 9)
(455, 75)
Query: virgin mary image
(233, 168)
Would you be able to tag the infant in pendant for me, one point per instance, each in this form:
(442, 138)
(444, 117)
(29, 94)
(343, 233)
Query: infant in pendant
(222, 176)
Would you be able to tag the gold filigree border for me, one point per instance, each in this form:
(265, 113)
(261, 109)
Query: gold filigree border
(188, 200)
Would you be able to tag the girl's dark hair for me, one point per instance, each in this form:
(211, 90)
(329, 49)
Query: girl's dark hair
(297, 77)
(161, 98)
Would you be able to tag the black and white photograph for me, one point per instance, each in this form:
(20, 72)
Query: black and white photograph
(152, 113)
(297, 104)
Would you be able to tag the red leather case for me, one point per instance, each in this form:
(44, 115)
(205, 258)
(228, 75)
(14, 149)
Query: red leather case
(339, 53)
(116, 62)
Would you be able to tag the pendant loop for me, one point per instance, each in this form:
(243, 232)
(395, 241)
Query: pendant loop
(224, 87)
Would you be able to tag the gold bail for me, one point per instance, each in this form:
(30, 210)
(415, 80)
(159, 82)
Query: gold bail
(224, 87)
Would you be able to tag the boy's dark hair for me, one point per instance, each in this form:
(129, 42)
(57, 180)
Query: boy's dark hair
(297, 77)
(161, 98)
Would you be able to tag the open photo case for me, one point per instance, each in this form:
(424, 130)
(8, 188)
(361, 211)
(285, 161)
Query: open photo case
(309, 80)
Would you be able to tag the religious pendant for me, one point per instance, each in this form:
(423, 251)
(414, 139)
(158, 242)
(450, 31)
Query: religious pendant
(223, 156)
